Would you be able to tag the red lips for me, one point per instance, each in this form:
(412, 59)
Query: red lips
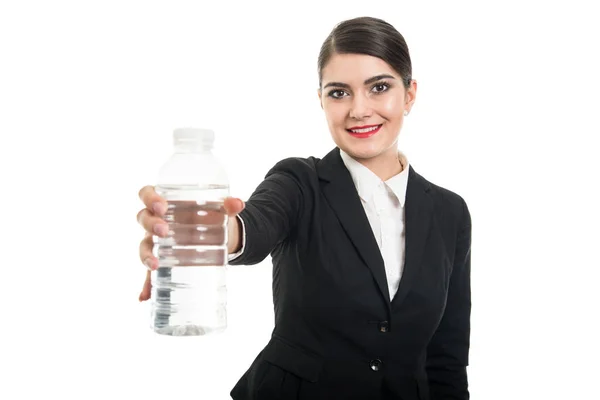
(366, 134)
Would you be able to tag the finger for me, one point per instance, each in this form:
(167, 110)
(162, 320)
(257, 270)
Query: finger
(233, 206)
(146, 289)
(146, 255)
(153, 201)
(152, 223)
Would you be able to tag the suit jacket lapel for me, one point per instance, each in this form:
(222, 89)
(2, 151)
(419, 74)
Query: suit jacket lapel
(418, 210)
(345, 202)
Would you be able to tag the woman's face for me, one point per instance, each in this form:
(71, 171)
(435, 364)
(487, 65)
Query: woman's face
(364, 101)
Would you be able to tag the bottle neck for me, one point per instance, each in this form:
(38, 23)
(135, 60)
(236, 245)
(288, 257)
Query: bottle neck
(192, 147)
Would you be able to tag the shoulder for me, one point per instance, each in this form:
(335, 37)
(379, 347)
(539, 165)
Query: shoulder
(301, 169)
(448, 202)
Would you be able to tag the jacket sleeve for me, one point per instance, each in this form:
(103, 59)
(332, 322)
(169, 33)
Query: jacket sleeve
(271, 212)
(448, 350)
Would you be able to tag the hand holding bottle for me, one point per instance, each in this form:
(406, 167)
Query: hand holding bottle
(151, 219)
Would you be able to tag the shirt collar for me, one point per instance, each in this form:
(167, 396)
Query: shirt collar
(366, 181)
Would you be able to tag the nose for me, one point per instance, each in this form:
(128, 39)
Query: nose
(360, 107)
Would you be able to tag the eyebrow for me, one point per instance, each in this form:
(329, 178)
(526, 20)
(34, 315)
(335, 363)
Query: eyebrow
(368, 81)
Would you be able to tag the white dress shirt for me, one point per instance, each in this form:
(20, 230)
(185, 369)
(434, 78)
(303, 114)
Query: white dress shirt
(383, 203)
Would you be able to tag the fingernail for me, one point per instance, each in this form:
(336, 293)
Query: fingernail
(149, 264)
(161, 229)
(159, 208)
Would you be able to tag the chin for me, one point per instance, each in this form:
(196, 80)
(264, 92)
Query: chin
(361, 151)
(364, 148)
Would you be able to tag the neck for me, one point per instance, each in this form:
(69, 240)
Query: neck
(385, 165)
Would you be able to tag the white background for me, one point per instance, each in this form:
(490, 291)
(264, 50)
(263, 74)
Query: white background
(90, 92)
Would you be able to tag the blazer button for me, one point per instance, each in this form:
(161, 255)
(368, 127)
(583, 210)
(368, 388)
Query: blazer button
(384, 326)
(376, 365)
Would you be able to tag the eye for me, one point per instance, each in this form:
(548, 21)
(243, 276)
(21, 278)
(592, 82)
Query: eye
(337, 94)
(381, 87)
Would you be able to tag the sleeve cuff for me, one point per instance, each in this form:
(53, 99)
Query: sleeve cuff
(239, 253)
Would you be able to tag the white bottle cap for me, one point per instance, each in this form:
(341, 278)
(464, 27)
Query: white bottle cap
(194, 135)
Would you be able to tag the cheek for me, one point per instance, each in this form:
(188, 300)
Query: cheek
(335, 114)
(391, 108)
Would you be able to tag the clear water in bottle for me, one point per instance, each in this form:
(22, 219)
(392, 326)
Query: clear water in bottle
(189, 287)
(189, 290)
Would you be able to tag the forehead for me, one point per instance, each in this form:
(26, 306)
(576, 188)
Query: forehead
(355, 68)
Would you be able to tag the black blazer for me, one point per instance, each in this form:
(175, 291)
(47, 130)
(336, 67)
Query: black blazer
(337, 334)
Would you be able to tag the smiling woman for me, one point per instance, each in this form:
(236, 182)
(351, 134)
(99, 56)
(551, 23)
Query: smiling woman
(371, 261)
(366, 89)
(364, 100)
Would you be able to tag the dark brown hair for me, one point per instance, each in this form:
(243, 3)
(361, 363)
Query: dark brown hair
(370, 36)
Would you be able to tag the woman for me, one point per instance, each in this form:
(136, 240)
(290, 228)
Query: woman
(371, 262)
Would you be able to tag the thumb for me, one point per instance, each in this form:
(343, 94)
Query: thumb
(233, 206)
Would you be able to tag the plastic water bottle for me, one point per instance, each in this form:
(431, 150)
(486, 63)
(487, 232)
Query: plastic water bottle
(189, 292)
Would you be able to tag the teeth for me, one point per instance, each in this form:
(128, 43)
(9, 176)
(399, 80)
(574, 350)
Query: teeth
(364, 130)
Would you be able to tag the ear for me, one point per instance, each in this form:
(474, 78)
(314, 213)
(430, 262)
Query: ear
(411, 95)
(320, 97)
